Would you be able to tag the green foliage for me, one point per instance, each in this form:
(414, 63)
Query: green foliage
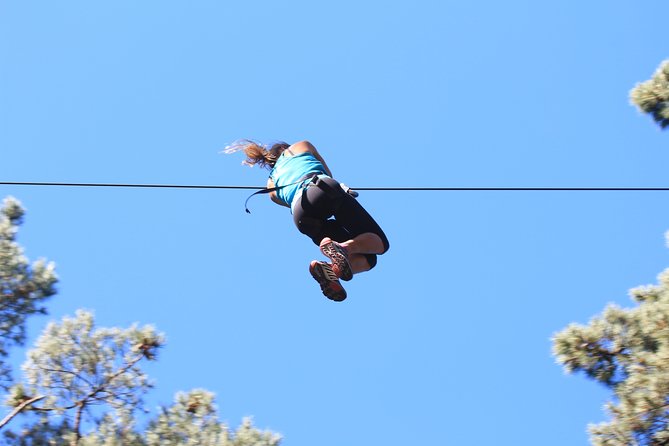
(193, 420)
(74, 364)
(115, 429)
(23, 287)
(76, 367)
(79, 377)
(652, 96)
(39, 432)
(626, 350)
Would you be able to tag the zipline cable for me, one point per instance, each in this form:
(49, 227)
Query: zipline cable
(512, 188)
(191, 186)
(162, 186)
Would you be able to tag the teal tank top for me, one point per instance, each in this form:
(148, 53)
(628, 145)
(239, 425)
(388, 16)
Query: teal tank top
(289, 169)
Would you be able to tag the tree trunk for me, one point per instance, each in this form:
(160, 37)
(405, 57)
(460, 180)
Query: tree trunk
(77, 424)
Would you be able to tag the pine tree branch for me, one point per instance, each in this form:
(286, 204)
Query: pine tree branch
(92, 395)
(81, 405)
(121, 371)
(77, 424)
(76, 375)
(18, 409)
(51, 409)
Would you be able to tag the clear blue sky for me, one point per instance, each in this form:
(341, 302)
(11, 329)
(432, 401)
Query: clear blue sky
(447, 342)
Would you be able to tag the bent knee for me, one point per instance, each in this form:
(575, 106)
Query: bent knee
(386, 244)
(372, 259)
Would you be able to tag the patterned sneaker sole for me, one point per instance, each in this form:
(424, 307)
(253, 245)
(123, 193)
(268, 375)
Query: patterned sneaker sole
(326, 278)
(339, 259)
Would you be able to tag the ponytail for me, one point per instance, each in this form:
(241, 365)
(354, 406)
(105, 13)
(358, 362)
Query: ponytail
(256, 153)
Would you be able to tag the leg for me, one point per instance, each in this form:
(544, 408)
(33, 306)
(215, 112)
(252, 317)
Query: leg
(359, 237)
(311, 216)
(367, 243)
(360, 252)
(366, 240)
(352, 225)
(361, 263)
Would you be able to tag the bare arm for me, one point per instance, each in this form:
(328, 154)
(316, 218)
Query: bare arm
(306, 146)
(272, 195)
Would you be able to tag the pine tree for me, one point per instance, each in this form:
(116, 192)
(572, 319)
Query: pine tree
(23, 286)
(193, 419)
(75, 367)
(83, 385)
(626, 350)
(652, 96)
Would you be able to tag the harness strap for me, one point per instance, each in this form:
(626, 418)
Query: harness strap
(311, 176)
(314, 180)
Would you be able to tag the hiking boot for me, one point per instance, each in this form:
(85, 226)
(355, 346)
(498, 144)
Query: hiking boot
(330, 286)
(339, 256)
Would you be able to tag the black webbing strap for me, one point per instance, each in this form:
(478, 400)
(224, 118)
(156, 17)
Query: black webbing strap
(311, 176)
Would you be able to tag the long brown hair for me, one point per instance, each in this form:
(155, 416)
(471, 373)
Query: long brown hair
(264, 155)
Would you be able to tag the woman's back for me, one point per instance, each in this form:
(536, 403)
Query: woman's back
(290, 168)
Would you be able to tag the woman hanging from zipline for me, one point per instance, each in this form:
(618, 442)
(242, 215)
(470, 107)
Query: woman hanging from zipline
(322, 209)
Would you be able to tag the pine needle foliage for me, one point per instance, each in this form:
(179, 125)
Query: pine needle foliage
(626, 350)
(76, 367)
(84, 385)
(652, 96)
(90, 379)
(23, 286)
(193, 419)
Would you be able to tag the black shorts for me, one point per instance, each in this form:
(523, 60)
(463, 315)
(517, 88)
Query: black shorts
(326, 210)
